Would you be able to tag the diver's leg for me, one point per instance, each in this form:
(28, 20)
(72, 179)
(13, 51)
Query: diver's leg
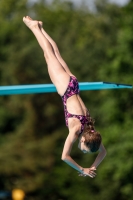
(58, 75)
(56, 50)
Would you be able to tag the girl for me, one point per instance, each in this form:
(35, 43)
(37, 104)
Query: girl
(78, 120)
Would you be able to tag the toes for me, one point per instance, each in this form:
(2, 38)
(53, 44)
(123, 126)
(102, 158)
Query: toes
(28, 17)
(23, 18)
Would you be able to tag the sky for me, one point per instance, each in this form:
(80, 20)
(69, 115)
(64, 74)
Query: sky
(89, 2)
(119, 2)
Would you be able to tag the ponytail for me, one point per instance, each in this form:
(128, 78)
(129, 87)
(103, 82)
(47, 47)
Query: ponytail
(90, 124)
(92, 137)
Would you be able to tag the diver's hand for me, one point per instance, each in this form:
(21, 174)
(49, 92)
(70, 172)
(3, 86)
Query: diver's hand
(88, 172)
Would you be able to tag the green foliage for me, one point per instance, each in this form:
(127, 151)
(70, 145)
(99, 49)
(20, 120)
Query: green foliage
(97, 47)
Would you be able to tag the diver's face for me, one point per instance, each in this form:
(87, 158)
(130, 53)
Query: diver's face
(82, 146)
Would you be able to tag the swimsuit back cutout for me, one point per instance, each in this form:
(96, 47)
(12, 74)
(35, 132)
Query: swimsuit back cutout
(72, 89)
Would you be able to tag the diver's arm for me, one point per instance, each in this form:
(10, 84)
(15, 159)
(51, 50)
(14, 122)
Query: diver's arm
(68, 159)
(100, 156)
(71, 138)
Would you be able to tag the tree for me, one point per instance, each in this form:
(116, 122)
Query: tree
(96, 46)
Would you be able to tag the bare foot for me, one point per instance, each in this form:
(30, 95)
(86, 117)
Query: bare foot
(30, 22)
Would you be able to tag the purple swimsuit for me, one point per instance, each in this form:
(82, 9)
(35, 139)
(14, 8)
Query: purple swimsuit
(72, 89)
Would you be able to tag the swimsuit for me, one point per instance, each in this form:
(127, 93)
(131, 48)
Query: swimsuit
(72, 89)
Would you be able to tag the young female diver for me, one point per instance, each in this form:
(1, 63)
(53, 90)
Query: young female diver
(78, 120)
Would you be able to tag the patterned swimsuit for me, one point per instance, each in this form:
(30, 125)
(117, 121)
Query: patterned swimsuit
(72, 89)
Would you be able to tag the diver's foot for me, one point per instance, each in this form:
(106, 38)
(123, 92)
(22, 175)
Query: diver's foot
(30, 22)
